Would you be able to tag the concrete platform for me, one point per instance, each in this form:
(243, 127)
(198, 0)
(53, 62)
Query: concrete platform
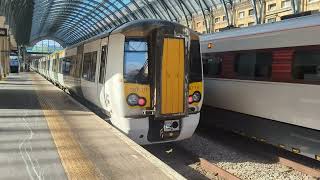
(45, 134)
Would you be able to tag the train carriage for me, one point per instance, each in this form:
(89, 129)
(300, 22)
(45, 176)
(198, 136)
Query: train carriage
(263, 81)
(147, 75)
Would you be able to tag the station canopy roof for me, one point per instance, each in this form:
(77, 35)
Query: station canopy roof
(71, 21)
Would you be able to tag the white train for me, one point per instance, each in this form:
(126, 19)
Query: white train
(146, 75)
(264, 82)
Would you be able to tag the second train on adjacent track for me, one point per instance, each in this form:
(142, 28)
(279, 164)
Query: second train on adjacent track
(263, 82)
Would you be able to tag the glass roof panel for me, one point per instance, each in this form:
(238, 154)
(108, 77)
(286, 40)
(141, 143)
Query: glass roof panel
(71, 21)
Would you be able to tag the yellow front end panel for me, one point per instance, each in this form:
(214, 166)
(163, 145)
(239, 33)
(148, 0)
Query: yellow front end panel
(193, 87)
(141, 90)
(172, 78)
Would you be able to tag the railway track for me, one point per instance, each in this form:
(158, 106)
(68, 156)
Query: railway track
(220, 172)
(223, 155)
(243, 153)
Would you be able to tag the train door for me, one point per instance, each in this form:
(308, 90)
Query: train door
(89, 78)
(102, 73)
(168, 87)
(172, 76)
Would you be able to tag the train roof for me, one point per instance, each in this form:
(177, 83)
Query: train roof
(126, 26)
(143, 23)
(295, 23)
(302, 31)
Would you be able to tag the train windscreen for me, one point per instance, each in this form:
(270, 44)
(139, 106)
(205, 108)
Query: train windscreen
(136, 61)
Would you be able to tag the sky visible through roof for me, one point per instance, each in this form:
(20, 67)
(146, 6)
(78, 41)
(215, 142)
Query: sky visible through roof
(45, 46)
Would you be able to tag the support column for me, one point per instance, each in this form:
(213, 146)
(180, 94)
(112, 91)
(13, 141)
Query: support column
(6, 56)
(4, 60)
(4, 45)
(1, 58)
(4, 48)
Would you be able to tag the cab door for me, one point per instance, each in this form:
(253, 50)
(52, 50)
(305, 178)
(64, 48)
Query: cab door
(172, 83)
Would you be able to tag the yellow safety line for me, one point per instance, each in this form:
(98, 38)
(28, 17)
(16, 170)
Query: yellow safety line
(74, 161)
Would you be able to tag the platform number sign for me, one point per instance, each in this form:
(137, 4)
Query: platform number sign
(3, 32)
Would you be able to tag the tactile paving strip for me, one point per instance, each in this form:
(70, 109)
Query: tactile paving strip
(74, 161)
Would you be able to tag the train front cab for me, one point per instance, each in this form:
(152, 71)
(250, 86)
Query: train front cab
(163, 89)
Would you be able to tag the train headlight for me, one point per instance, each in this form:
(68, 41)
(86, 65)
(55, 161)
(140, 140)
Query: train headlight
(133, 99)
(196, 97)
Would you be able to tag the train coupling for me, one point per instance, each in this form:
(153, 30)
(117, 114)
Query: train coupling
(171, 125)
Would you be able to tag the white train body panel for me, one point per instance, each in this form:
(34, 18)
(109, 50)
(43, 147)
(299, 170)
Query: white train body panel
(114, 83)
(296, 104)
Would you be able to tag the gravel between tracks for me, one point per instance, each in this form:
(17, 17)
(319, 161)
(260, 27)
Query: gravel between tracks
(242, 165)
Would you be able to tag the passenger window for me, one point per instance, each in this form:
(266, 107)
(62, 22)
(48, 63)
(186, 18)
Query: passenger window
(93, 66)
(79, 61)
(103, 64)
(253, 65)
(61, 63)
(263, 65)
(49, 62)
(73, 66)
(136, 61)
(306, 66)
(211, 65)
(66, 66)
(86, 66)
(56, 68)
(89, 66)
(245, 65)
(54, 65)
